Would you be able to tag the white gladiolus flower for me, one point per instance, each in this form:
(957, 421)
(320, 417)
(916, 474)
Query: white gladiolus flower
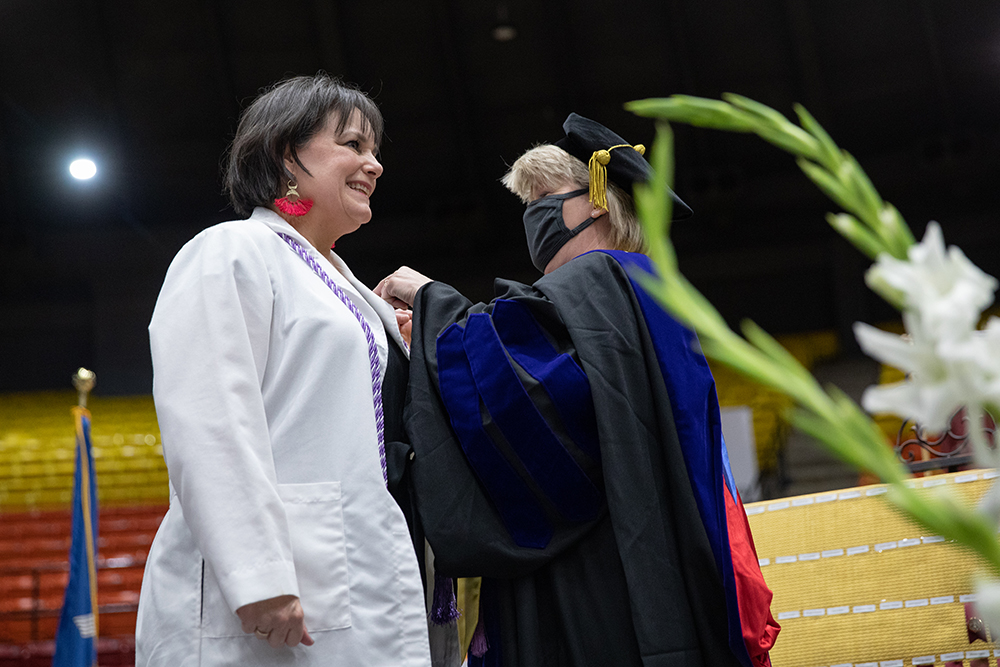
(929, 396)
(948, 363)
(941, 287)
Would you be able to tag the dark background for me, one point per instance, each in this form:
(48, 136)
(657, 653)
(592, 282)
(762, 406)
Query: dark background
(152, 91)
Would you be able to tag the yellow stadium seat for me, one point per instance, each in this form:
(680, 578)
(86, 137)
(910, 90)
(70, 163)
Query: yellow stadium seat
(38, 449)
(856, 582)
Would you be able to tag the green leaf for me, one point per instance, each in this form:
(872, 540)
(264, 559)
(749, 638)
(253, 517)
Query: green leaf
(946, 517)
(682, 300)
(653, 201)
(830, 151)
(829, 185)
(825, 432)
(773, 349)
(895, 297)
(862, 430)
(656, 226)
(696, 111)
(671, 298)
(790, 139)
(862, 186)
(870, 224)
(662, 162)
(860, 237)
(756, 108)
(746, 360)
(901, 234)
(712, 323)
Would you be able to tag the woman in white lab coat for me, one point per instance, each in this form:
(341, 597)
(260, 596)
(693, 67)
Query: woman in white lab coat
(282, 544)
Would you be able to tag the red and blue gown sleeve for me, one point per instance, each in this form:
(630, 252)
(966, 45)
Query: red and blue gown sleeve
(699, 425)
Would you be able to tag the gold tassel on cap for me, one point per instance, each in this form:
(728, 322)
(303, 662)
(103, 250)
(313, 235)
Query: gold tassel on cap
(599, 173)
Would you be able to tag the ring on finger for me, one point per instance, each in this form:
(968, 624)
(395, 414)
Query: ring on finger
(260, 633)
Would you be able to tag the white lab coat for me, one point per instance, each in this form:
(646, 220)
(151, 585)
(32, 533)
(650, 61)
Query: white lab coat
(263, 393)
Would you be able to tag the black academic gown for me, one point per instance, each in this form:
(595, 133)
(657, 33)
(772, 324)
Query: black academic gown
(633, 584)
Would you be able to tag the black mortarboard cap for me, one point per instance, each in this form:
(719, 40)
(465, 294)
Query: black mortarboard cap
(610, 157)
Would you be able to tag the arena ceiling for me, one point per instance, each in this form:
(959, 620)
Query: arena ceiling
(152, 92)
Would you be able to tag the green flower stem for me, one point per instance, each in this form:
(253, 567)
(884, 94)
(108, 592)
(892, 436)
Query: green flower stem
(830, 153)
(890, 217)
(833, 170)
(776, 129)
(829, 416)
(851, 229)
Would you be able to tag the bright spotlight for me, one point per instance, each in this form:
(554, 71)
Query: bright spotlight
(82, 169)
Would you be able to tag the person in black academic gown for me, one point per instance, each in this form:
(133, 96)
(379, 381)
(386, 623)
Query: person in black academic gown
(565, 442)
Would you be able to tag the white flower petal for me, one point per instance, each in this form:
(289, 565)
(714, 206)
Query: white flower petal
(931, 406)
(886, 347)
(949, 364)
(939, 284)
(969, 350)
(937, 403)
(988, 603)
(898, 398)
(930, 250)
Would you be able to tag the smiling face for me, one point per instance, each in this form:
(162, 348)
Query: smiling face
(342, 170)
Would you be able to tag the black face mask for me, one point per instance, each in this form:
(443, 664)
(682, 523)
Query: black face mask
(546, 229)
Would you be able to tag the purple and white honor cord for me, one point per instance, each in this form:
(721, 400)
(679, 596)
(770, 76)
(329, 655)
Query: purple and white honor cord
(372, 348)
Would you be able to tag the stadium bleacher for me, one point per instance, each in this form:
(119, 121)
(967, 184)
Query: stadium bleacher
(37, 449)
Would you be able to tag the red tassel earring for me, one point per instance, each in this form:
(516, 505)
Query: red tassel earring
(291, 204)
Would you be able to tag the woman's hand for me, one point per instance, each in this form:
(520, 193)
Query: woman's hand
(404, 320)
(400, 287)
(279, 621)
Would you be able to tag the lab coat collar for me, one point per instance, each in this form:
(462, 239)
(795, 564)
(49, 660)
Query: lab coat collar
(384, 311)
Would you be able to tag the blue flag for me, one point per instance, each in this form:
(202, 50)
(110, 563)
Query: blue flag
(77, 635)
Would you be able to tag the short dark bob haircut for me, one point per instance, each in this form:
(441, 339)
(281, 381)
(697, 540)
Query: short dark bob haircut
(279, 122)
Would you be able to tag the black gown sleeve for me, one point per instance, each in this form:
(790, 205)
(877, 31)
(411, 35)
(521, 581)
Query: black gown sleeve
(473, 531)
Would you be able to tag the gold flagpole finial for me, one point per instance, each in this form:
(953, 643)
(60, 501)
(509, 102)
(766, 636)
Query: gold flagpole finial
(84, 381)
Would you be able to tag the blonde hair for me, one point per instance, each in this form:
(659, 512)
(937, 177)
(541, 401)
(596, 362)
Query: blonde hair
(548, 167)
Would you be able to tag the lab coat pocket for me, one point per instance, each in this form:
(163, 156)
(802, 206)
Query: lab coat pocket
(217, 620)
(319, 551)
